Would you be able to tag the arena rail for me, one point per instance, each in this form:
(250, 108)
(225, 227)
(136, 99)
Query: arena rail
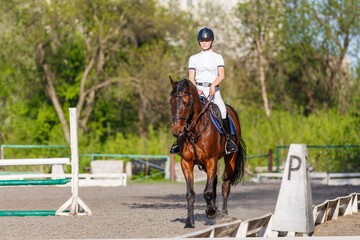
(261, 226)
(74, 202)
(322, 177)
(3, 146)
(326, 148)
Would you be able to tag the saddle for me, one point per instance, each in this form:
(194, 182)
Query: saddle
(215, 117)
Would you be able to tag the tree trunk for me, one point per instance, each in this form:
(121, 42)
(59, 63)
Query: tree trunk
(89, 106)
(50, 89)
(262, 82)
(82, 94)
(141, 115)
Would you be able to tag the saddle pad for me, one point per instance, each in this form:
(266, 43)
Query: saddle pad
(217, 124)
(215, 120)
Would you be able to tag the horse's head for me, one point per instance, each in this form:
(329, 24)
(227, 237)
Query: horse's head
(182, 106)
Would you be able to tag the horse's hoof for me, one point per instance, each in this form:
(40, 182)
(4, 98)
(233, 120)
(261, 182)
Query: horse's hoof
(189, 225)
(224, 212)
(211, 214)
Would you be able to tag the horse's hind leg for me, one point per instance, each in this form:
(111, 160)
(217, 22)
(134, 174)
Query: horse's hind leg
(229, 172)
(210, 189)
(225, 192)
(188, 170)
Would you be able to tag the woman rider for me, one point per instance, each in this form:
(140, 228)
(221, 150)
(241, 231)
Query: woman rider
(206, 72)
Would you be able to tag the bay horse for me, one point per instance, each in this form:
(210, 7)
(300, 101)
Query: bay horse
(201, 144)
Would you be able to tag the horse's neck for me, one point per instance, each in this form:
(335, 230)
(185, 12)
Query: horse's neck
(198, 106)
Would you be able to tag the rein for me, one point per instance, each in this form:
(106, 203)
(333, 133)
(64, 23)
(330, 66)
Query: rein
(187, 126)
(201, 113)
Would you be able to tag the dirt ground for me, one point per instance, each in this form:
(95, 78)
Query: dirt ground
(344, 226)
(147, 210)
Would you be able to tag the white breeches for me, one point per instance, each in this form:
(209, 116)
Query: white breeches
(216, 99)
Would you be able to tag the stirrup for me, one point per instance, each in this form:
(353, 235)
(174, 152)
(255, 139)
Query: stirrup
(175, 149)
(230, 146)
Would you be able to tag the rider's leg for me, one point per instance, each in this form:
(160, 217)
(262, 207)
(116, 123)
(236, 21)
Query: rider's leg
(230, 145)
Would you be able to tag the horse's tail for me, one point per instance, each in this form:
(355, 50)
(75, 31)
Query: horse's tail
(239, 163)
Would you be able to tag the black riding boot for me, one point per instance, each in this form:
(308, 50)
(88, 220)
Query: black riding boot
(230, 145)
(175, 149)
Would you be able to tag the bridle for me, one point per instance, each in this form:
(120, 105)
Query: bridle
(190, 112)
(187, 126)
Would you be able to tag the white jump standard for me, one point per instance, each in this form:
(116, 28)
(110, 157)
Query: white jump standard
(74, 202)
(77, 206)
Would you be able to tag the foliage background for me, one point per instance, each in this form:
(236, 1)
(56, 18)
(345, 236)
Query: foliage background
(112, 59)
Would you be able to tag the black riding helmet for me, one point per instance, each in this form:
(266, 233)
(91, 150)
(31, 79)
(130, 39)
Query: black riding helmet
(206, 33)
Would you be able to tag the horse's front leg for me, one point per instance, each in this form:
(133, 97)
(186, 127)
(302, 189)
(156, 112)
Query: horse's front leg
(210, 189)
(188, 170)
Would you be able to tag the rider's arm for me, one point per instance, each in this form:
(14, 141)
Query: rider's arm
(192, 79)
(192, 76)
(218, 80)
(221, 76)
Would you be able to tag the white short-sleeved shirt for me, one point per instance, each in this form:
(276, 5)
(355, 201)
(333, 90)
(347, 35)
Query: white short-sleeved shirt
(206, 65)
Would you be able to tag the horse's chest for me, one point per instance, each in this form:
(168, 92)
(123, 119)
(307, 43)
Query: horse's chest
(189, 153)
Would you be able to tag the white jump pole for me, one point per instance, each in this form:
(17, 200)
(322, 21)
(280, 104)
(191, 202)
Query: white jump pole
(74, 160)
(74, 202)
(34, 161)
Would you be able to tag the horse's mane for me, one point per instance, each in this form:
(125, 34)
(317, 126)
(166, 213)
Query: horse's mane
(185, 83)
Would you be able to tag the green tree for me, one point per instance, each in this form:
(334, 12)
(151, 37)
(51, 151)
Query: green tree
(88, 54)
(339, 24)
(315, 60)
(261, 22)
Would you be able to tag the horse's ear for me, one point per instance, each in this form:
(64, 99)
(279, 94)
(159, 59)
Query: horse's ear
(173, 83)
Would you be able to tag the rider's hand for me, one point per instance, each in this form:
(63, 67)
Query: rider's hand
(212, 90)
(200, 92)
